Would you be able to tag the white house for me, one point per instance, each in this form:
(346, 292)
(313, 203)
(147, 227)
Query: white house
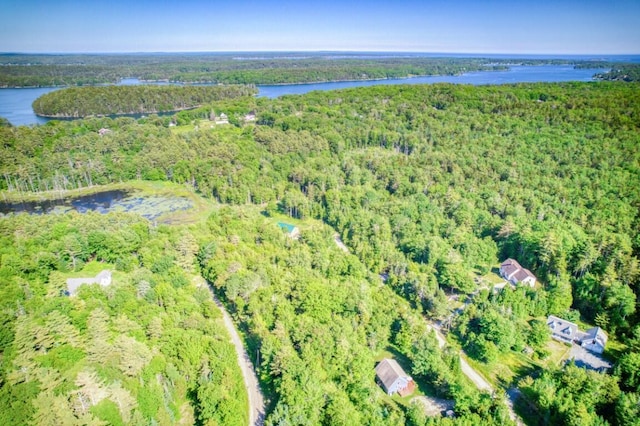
(594, 340)
(103, 278)
(563, 330)
(393, 378)
(222, 119)
(513, 272)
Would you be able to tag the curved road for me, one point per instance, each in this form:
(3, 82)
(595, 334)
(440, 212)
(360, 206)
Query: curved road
(256, 400)
(477, 379)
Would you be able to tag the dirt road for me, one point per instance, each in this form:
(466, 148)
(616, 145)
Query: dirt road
(474, 376)
(478, 380)
(256, 400)
(340, 244)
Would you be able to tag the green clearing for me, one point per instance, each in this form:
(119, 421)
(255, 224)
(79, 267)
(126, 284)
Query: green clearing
(196, 125)
(491, 278)
(90, 269)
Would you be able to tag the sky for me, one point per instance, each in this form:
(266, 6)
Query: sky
(439, 26)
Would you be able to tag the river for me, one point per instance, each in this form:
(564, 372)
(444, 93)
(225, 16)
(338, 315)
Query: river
(15, 104)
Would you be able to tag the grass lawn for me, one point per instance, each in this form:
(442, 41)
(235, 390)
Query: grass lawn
(505, 371)
(558, 352)
(491, 278)
(512, 366)
(201, 123)
(614, 349)
(91, 269)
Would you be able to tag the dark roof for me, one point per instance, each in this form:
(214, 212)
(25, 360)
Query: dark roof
(512, 269)
(522, 274)
(388, 371)
(510, 266)
(510, 262)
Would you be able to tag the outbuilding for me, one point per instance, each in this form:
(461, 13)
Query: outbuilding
(393, 378)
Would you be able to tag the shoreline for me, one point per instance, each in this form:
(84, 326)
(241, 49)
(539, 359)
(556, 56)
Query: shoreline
(195, 83)
(118, 114)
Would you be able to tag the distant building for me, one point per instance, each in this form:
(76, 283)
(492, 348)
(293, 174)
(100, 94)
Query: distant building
(513, 272)
(393, 378)
(103, 278)
(222, 119)
(104, 131)
(594, 339)
(290, 229)
(250, 116)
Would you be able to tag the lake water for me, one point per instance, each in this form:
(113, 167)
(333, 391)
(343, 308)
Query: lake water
(515, 74)
(150, 207)
(15, 104)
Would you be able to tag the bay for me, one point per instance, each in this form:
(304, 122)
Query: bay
(15, 104)
(515, 74)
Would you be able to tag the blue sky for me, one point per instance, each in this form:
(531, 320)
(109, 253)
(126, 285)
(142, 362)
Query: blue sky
(454, 26)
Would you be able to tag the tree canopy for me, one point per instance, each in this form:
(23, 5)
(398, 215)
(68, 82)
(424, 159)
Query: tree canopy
(429, 187)
(117, 100)
(22, 70)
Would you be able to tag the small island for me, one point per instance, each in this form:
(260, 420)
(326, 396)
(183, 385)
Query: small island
(77, 102)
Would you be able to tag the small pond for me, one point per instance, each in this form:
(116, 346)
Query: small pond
(148, 206)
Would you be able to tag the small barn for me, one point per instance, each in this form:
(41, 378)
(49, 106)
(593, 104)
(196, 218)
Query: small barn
(290, 229)
(393, 378)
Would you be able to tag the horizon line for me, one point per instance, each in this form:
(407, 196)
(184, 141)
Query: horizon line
(318, 51)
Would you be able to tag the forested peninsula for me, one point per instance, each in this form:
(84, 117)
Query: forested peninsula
(429, 187)
(77, 102)
(241, 68)
(621, 72)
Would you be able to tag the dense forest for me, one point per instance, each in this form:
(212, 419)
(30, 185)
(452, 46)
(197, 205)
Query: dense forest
(265, 68)
(149, 348)
(113, 100)
(429, 186)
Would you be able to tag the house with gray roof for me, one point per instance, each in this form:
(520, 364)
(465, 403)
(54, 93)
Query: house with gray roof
(103, 278)
(594, 339)
(393, 378)
(513, 272)
(563, 330)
